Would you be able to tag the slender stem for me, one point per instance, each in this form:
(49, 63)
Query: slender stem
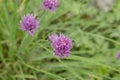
(21, 6)
(21, 71)
(101, 36)
(22, 3)
(39, 70)
(42, 18)
(22, 43)
(2, 58)
(69, 68)
(43, 71)
(73, 57)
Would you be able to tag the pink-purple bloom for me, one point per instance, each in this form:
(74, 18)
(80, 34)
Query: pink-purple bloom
(118, 55)
(61, 45)
(50, 5)
(29, 23)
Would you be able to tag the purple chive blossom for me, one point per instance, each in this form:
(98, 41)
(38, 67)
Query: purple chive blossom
(50, 5)
(29, 23)
(61, 45)
(118, 55)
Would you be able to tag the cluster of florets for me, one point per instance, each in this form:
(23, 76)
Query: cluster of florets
(50, 5)
(29, 23)
(61, 45)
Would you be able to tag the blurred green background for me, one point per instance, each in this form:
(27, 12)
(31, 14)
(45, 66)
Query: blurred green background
(94, 28)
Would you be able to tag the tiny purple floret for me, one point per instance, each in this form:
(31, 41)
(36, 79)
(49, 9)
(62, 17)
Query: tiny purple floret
(118, 55)
(50, 5)
(30, 24)
(61, 45)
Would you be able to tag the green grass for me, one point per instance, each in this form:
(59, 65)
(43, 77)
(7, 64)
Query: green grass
(95, 34)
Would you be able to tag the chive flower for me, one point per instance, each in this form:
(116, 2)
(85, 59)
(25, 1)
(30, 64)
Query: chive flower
(50, 5)
(118, 55)
(61, 45)
(29, 23)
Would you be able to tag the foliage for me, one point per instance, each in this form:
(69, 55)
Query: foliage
(95, 34)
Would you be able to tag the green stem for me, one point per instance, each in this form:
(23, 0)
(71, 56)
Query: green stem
(22, 43)
(21, 71)
(73, 57)
(70, 69)
(67, 67)
(43, 71)
(2, 58)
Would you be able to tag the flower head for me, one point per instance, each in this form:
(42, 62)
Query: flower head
(118, 55)
(29, 23)
(61, 45)
(50, 5)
